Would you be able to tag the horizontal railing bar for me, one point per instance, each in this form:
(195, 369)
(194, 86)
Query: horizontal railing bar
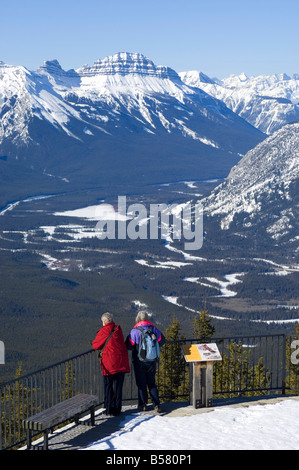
(45, 368)
(172, 341)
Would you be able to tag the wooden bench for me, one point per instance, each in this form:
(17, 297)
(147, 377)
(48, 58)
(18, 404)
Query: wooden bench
(57, 414)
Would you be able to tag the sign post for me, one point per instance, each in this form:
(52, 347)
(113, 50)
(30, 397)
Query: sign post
(202, 356)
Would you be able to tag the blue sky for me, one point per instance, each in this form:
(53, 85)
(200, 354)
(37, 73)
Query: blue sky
(218, 37)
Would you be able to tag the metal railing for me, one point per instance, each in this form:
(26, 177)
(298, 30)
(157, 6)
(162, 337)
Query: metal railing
(251, 365)
(31, 393)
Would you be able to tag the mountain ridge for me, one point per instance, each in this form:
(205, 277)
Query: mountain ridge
(138, 75)
(83, 124)
(260, 195)
(265, 101)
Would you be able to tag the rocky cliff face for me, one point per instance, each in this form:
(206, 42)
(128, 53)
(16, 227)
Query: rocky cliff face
(261, 193)
(125, 63)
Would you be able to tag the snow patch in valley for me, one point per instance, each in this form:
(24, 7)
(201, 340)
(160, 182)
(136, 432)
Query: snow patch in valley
(223, 286)
(95, 212)
(163, 264)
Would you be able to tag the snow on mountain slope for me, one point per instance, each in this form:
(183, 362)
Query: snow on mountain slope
(123, 91)
(15, 111)
(277, 86)
(267, 102)
(261, 191)
(24, 94)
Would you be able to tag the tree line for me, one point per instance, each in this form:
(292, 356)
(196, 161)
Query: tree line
(236, 375)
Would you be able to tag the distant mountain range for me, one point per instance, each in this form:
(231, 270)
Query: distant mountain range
(126, 121)
(124, 92)
(122, 120)
(266, 102)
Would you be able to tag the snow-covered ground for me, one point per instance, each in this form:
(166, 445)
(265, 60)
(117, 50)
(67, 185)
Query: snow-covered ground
(273, 426)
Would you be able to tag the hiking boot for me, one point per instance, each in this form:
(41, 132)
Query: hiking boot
(142, 408)
(158, 409)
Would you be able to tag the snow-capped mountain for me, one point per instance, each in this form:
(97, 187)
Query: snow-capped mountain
(99, 95)
(266, 102)
(121, 102)
(261, 191)
(23, 95)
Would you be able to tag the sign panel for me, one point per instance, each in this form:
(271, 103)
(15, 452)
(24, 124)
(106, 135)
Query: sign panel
(191, 353)
(201, 352)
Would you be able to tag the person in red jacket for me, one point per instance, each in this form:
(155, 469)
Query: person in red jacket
(114, 362)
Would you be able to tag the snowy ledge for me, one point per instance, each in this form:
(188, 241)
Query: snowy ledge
(253, 423)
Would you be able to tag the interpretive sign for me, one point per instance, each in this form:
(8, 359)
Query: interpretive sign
(201, 352)
(202, 357)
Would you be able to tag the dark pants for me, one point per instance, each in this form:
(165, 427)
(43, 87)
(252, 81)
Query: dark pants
(113, 385)
(145, 378)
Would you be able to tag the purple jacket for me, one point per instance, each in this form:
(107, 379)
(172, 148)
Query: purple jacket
(135, 334)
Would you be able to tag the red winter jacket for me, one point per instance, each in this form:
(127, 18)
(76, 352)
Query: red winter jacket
(115, 356)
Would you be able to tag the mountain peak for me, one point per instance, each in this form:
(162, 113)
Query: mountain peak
(243, 77)
(52, 67)
(194, 77)
(127, 63)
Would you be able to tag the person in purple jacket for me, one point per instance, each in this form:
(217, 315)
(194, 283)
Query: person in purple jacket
(144, 371)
